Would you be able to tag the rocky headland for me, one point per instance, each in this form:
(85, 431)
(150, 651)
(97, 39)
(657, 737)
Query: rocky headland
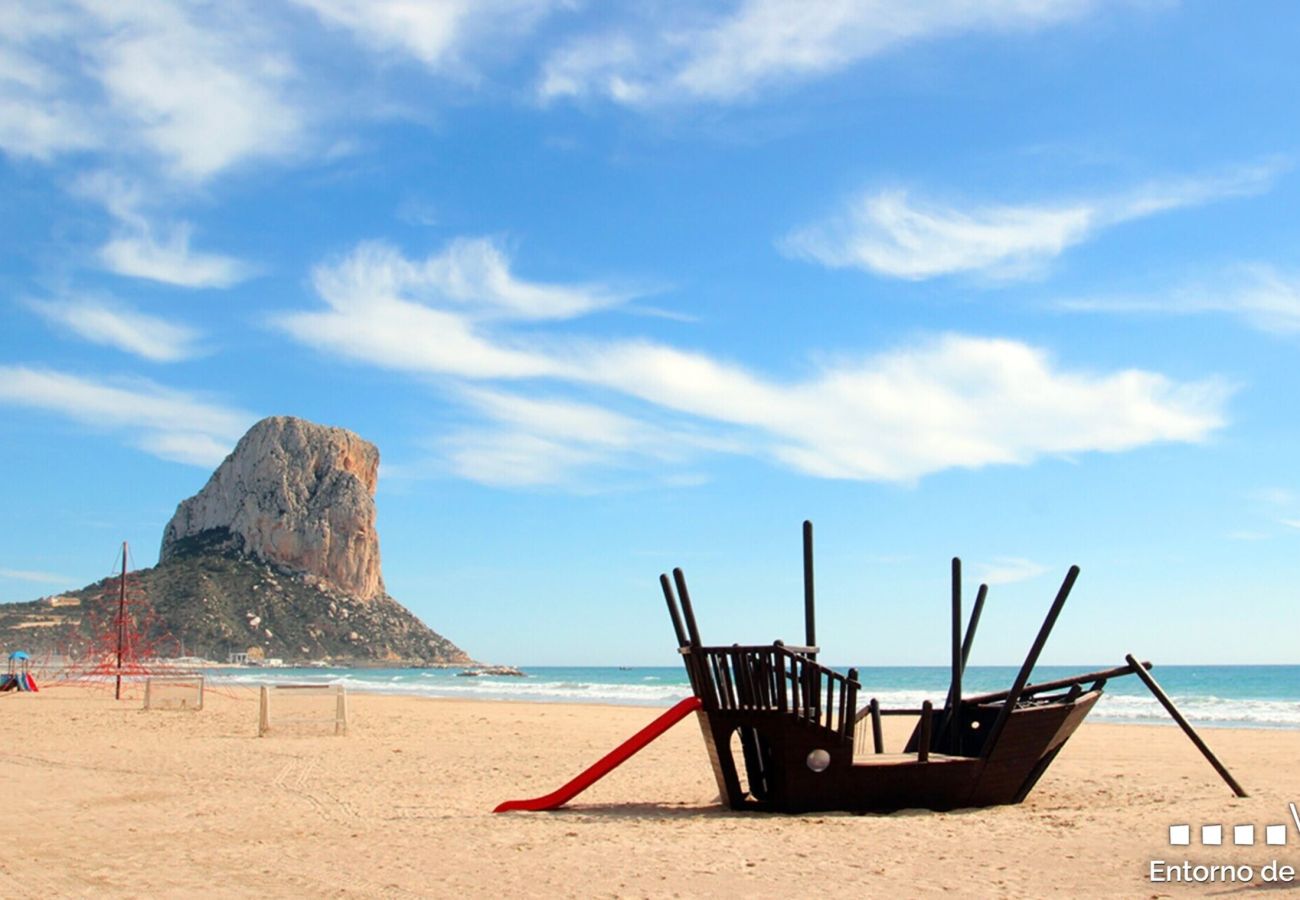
(276, 557)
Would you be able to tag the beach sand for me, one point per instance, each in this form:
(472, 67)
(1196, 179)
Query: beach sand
(102, 798)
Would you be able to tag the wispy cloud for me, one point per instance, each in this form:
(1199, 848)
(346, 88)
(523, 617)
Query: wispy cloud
(39, 117)
(438, 35)
(34, 576)
(204, 95)
(198, 89)
(951, 401)
(114, 324)
(1261, 296)
(168, 423)
(140, 248)
(681, 54)
(889, 233)
(1008, 570)
(170, 260)
(531, 441)
(440, 314)
(1275, 496)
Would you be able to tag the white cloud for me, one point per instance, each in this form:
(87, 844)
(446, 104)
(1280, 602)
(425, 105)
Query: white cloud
(435, 34)
(1290, 523)
(765, 43)
(38, 119)
(471, 273)
(953, 401)
(115, 325)
(40, 130)
(170, 260)
(203, 94)
(1008, 570)
(1259, 295)
(136, 249)
(168, 423)
(194, 87)
(889, 233)
(437, 314)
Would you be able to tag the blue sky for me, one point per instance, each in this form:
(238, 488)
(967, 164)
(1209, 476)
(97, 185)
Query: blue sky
(619, 287)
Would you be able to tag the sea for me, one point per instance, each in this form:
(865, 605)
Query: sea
(1222, 696)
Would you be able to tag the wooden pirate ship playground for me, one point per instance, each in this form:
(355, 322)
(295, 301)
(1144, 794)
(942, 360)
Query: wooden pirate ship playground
(785, 733)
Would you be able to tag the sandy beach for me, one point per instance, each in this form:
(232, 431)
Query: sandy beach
(105, 799)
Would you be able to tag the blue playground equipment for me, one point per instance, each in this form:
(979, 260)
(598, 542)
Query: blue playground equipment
(19, 676)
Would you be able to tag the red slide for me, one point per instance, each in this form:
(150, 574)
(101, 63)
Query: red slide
(607, 763)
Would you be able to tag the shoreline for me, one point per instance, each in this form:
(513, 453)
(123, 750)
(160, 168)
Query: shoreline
(545, 686)
(53, 689)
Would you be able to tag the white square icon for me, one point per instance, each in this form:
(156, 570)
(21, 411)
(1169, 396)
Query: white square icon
(1243, 835)
(1180, 835)
(1275, 835)
(1212, 834)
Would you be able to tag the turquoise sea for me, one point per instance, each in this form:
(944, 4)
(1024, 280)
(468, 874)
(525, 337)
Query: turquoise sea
(1224, 696)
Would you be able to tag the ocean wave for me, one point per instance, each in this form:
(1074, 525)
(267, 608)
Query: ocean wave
(483, 687)
(1206, 709)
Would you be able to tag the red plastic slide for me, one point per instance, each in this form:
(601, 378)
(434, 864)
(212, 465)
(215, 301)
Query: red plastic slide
(607, 763)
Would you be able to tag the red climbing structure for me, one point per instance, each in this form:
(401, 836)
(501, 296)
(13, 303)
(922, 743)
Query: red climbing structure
(123, 637)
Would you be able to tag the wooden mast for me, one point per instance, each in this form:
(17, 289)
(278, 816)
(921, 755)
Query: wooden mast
(809, 613)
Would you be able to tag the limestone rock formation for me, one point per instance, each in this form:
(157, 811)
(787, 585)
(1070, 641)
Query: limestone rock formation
(294, 494)
(277, 557)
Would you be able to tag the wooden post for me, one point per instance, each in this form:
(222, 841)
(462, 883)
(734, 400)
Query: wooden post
(973, 624)
(692, 629)
(672, 610)
(1022, 678)
(877, 734)
(923, 741)
(1168, 704)
(809, 613)
(341, 710)
(778, 665)
(264, 712)
(954, 691)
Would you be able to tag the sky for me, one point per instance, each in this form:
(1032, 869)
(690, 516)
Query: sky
(618, 287)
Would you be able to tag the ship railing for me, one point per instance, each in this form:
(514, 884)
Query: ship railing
(775, 678)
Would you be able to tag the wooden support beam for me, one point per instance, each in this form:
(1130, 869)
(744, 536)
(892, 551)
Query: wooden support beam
(1027, 668)
(1098, 679)
(974, 622)
(1186, 726)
